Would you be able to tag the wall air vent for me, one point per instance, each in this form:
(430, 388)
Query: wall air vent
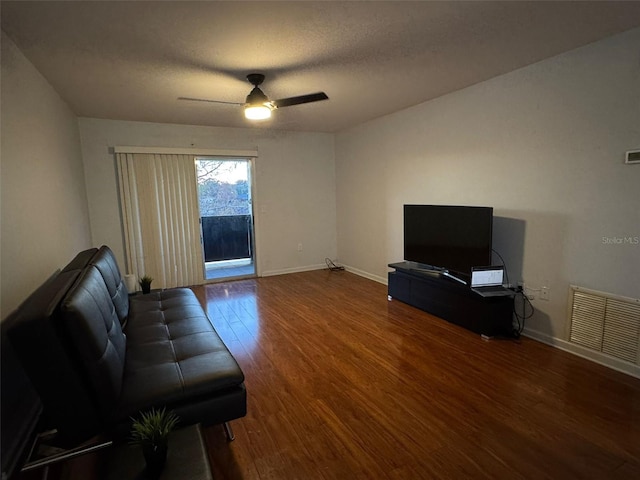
(605, 323)
(632, 156)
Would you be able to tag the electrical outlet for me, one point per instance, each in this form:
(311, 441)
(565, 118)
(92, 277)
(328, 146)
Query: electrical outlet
(544, 293)
(300, 247)
(528, 291)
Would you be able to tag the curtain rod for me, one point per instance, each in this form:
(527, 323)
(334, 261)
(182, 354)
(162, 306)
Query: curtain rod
(215, 152)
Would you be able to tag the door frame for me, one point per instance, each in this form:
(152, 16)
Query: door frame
(254, 223)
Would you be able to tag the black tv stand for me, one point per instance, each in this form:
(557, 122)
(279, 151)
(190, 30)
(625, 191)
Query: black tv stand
(450, 299)
(453, 277)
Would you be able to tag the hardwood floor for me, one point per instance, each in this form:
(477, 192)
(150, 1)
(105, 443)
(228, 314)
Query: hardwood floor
(343, 384)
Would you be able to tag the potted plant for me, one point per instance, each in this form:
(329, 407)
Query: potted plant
(151, 432)
(145, 283)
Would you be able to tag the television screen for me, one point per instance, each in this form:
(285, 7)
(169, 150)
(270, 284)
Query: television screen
(451, 237)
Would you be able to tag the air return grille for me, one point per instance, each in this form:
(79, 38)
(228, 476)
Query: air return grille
(606, 323)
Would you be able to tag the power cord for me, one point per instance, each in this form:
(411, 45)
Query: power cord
(506, 271)
(520, 319)
(332, 266)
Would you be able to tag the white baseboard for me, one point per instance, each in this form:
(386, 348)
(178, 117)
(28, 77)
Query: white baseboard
(597, 357)
(364, 274)
(284, 271)
(308, 268)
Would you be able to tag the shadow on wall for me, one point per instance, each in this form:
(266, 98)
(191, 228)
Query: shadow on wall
(508, 241)
(534, 247)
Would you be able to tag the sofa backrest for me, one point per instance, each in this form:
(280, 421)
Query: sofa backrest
(81, 260)
(105, 261)
(32, 331)
(21, 408)
(90, 323)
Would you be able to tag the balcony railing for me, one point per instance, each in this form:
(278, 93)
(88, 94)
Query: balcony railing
(227, 237)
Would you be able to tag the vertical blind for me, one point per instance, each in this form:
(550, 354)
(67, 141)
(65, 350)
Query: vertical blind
(159, 204)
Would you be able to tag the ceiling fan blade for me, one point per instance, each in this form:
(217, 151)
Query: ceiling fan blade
(312, 97)
(210, 101)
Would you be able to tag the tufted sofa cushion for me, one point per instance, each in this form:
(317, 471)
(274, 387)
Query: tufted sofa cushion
(105, 262)
(173, 352)
(90, 321)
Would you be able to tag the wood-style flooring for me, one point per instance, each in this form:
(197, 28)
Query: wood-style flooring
(343, 384)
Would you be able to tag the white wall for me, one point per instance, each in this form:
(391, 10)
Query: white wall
(45, 219)
(543, 145)
(295, 185)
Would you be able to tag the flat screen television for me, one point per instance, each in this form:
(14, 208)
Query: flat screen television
(449, 237)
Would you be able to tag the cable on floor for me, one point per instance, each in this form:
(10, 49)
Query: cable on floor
(332, 266)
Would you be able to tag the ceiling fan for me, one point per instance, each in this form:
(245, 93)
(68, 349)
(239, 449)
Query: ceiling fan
(258, 106)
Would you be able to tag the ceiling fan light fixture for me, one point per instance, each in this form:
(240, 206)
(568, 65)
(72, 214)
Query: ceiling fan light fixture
(257, 106)
(257, 112)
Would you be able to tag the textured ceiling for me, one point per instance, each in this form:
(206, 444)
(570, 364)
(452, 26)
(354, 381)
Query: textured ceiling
(132, 60)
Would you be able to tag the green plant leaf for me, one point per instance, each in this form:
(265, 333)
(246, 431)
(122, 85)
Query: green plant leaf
(153, 427)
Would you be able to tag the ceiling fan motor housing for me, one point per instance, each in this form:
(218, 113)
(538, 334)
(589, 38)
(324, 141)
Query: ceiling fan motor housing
(255, 79)
(256, 97)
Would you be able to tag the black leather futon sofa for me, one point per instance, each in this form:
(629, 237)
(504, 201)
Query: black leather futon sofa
(98, 356)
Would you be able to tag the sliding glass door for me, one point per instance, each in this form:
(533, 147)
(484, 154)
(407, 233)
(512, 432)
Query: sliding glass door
(226, 217)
